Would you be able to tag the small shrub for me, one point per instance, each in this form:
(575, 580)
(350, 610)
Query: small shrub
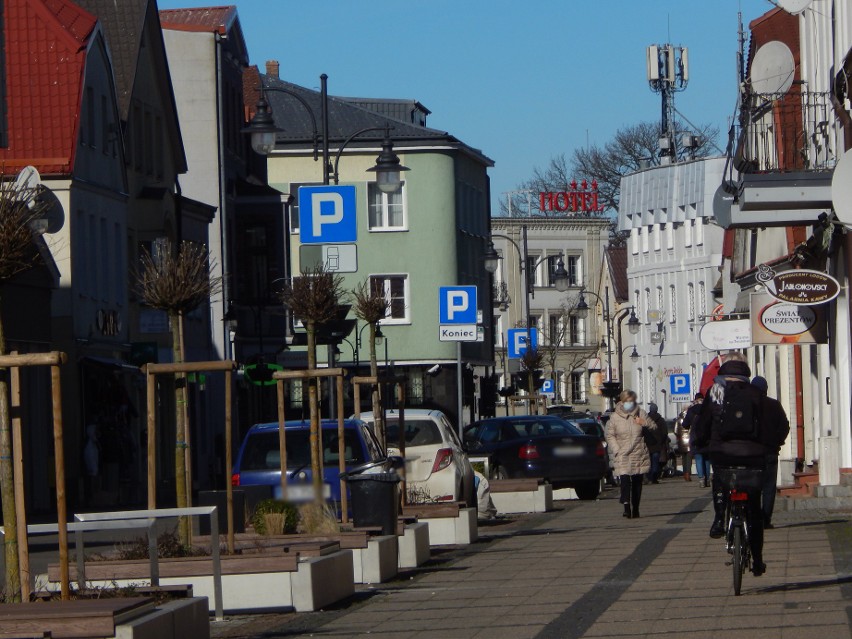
(318, 520)
(168, 546)
(273, 507)
(418, 495)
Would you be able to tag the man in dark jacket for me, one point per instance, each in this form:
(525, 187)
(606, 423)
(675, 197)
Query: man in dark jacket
(749, 453)
(774, 438)
(657, 441)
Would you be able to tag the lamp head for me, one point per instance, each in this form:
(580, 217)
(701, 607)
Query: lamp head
(582, 308)
(388, 167)
(262, 128)
(560, 276)
(633, 323)
(634, 356)
(491, 258)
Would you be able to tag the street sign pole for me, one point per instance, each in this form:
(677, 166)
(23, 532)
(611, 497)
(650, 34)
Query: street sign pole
(459, 384)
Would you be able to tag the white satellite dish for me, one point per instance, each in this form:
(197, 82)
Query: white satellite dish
(794, 7)
(772, 68)
(841, 189)
(27, 179)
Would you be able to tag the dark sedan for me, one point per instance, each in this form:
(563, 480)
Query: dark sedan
(542, 446)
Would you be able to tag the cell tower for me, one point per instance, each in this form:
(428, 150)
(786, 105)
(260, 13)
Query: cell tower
(668, 73)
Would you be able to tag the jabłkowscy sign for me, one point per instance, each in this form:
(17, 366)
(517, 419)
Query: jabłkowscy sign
(799, 286)
(582, 198)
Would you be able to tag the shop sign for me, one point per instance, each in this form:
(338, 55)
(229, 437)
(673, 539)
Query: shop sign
(582, 198)
(799, 286)
(776, 322)
(725, 335)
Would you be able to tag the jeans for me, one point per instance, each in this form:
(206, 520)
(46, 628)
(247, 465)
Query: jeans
(702, 466)
(654, 473)
(631, 490)
(770, 478)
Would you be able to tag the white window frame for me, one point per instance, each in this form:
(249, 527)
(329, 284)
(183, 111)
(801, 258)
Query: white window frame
(673, 303)
(702, 301)
(385, 227)
(690, 302)
(387, 320)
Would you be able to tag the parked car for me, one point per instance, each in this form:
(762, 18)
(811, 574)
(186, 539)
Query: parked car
(542, 446)
(565, 411)
(259, 461)
(436, 465)
(591, 426)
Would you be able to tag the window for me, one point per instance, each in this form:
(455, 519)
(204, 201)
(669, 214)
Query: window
(552, 264)
(386, 210)
(575, 330)
(660, 306)
(638, 303)
(648, 305)
(673, 304)
(573, 266)
(554, 326)
(690, 302)
(578, 388)
(702, 301)
(532, 274)
(394, 288)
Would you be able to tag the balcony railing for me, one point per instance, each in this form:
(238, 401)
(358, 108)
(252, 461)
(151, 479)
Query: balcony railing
(795, 131)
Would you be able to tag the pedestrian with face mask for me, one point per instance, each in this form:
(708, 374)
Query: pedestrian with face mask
(625, 437)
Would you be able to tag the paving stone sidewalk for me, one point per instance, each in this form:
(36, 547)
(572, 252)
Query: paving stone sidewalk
(585, 571)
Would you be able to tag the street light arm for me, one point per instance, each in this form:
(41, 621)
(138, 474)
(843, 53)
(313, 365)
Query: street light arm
(513, 243)
(349, 139)
(308, 108)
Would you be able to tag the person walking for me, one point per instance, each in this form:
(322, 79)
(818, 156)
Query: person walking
(719, 434)
(776, 435)
(625, 438)
(656, 439)
(682, 428)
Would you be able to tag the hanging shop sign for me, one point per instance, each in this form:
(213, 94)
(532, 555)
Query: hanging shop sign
(799, 286)
(581, 198)
(725, 335)
(777, 322)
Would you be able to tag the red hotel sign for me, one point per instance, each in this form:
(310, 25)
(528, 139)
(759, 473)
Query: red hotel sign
(582, 198)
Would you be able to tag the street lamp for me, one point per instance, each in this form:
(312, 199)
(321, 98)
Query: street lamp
(633, 325)
(263, 134)
(356, 348)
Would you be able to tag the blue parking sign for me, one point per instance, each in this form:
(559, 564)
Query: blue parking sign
(548, 387)
(679, 385)
(517, 345)
(327, 215)
(457, 305)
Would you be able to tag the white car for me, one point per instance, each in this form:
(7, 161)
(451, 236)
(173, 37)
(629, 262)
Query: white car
(436, 467)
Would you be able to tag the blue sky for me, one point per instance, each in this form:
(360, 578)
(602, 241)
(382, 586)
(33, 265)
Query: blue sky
(522, 81)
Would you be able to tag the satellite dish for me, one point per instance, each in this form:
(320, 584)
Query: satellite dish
(794, 7)
(27, 179)
(772, 68)
(722, 202)
(841, 189)
(53, 216)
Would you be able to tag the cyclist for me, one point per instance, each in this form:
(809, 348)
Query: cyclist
(710, 430)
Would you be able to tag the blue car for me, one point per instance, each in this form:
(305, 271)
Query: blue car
(259, 462)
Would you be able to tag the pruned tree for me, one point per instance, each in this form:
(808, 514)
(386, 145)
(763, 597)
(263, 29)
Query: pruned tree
(19, 208)
(314, 298)
(177, 282)
(371, 306)
(631, 148)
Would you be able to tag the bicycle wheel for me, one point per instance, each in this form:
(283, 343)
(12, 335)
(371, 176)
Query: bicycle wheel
(739, 557)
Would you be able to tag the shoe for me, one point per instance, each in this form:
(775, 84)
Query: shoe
(687, 477)
(758, 568)
(635, 514)
(768, 525)
(626, 512)
(717, 530)
(705, 483)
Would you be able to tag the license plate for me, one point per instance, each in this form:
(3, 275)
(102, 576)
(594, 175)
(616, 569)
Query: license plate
(568, 451)
(302, 492)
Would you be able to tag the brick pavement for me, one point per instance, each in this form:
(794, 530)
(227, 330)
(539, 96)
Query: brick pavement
(585, 571)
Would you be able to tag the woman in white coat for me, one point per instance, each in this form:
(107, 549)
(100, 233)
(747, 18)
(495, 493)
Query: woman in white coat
(626, 445)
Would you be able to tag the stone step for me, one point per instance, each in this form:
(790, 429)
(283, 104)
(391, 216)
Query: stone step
(804, 502)
(842, 490)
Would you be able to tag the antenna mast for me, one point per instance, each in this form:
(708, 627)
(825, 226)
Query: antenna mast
(668, 73)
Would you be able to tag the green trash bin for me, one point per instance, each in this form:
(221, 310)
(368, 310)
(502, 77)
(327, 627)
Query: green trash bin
(374, 500)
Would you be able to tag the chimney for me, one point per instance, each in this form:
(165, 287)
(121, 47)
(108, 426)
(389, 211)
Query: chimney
(272, 68)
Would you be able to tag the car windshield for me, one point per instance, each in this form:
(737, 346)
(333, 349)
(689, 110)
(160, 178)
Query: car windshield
(418, 432)
(261, 449)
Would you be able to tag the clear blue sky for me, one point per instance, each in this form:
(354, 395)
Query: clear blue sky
(522, 81)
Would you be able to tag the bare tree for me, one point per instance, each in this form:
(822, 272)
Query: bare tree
(532, 361)
(314, 298)
(631, 148)
(371, 305)
(557, 347)
(19, 208)
(178, 282)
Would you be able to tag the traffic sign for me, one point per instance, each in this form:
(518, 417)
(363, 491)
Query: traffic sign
(457, 305)
(458, 333)
(327, 214)
(334, 258)
(679, 388)
(548, 387)
(518, 341)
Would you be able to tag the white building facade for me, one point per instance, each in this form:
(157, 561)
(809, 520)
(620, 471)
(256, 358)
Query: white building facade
(673, 257)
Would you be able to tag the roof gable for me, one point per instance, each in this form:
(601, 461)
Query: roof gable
(46, 48)
(221, 20)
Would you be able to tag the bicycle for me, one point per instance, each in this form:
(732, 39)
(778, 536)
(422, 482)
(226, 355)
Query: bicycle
(737, 482)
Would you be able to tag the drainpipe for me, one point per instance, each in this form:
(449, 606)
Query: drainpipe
(800, 410)
(224, 262)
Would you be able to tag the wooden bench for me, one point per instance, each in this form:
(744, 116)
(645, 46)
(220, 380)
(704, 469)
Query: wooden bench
(529, 495)
(78, 618)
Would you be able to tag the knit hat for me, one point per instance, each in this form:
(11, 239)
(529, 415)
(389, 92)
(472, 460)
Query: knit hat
(760, 383)
(735, 368)
(652, 407)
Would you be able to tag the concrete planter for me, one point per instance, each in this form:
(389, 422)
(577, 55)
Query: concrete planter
(449, 524)
(532, 498)
(378, 562)
(414, 545)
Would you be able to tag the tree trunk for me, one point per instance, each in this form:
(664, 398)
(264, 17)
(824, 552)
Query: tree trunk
(7, 485)
(176, 320)
(378, 413)
(314, 414)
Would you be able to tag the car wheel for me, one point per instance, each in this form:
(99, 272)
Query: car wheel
(589, 490)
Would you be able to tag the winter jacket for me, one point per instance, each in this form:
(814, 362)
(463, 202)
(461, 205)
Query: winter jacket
(656, 438)
(683, 426)
(777, 426)
(625, 438)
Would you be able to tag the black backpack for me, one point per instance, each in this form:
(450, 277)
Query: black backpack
(741, 412)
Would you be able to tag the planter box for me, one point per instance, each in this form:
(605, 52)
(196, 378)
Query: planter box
(249, 583)
(414, 545)
(113, 618)
(378, 562)
(521, 496)
(449, 524)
